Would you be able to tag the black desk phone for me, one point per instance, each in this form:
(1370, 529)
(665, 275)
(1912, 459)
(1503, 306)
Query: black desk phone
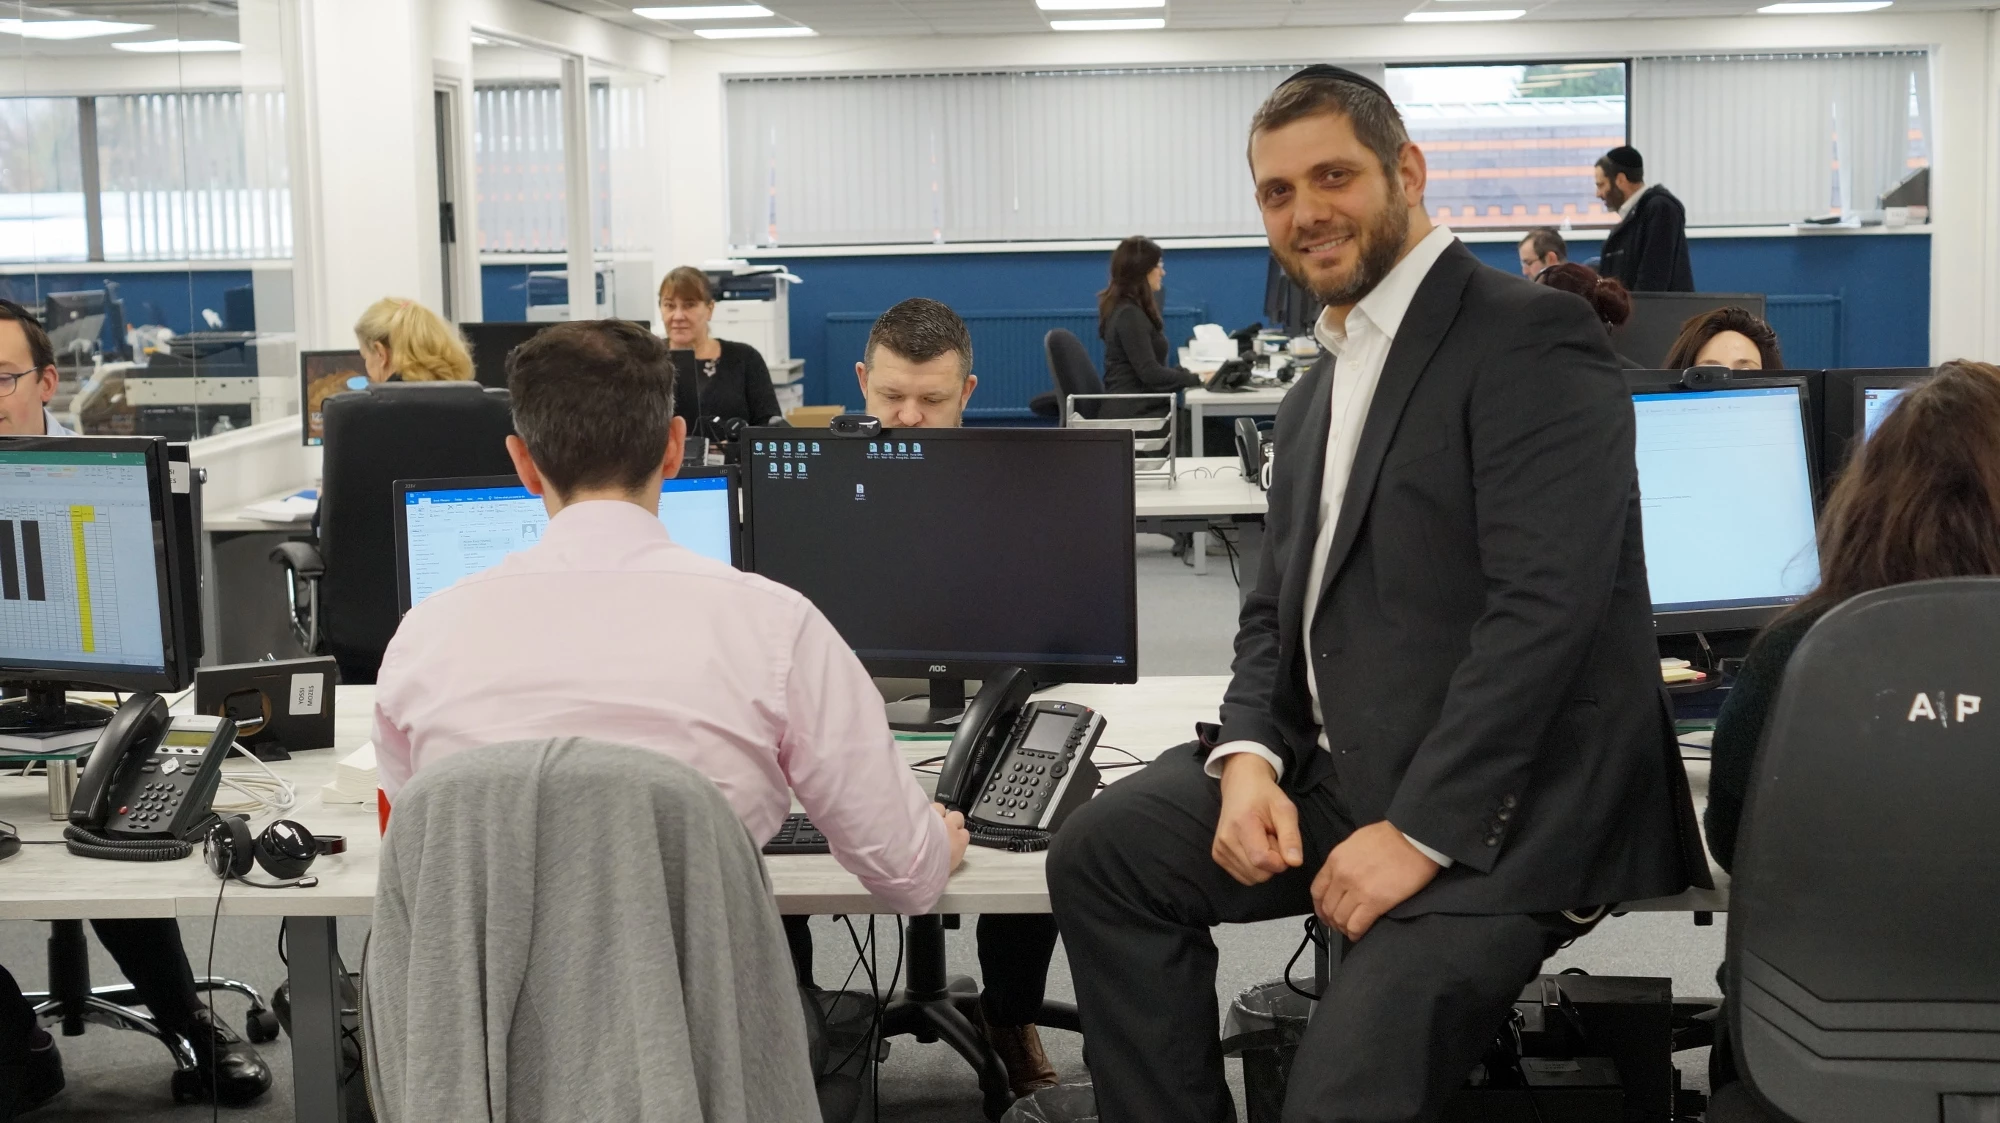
(147, 788)
(1017, 768)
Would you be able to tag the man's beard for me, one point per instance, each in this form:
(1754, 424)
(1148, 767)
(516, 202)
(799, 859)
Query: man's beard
(1614, 198)
(1380, 246)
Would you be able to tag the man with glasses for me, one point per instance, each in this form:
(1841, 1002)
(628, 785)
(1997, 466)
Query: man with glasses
(27, 376)
(148, 950)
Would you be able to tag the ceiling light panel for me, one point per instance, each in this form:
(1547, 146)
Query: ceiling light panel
(1097, 5)
(793, 32)
(1153, 24)
(705, 12)
(1825, 7)
(68, 28)
(1482, 15)
(179, 46)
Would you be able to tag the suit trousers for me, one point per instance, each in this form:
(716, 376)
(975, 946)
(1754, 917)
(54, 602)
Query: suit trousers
(1409, 1010)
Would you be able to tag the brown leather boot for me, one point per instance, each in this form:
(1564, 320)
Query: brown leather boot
(1020, 1049)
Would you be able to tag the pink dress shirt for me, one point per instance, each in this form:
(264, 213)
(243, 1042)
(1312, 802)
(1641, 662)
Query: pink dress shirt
(607, 629)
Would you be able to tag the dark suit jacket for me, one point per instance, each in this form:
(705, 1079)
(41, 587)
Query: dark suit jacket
(1648, 251)
(1484, 641)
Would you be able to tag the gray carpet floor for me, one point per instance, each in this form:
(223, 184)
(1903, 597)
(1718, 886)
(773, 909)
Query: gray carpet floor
(1185, 626)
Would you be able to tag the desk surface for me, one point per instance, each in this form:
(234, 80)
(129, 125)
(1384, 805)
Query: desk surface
(1205, 485)
(232, 520)
(45, 882)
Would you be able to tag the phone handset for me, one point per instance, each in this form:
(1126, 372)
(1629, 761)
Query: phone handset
(132, 732)
(989, 718)
(149, 785)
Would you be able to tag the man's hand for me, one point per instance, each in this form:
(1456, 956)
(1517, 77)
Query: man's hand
(1375, 870)
(954, 828)
(1257, 835)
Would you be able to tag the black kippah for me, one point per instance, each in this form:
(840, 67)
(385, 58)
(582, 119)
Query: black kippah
(1627, 157)
(1336, 73)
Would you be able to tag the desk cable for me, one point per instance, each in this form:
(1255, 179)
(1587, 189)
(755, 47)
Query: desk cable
(268, 793)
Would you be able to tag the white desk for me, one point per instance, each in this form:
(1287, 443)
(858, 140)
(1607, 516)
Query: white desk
(1206, 488)
(1260, 402)
(46, 882)
(232, 520)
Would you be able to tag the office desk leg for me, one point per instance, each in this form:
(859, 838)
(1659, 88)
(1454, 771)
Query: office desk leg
(319, 1095)
(1194, 437)
(1199, 549)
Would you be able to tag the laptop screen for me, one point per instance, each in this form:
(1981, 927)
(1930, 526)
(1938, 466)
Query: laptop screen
(451, 529)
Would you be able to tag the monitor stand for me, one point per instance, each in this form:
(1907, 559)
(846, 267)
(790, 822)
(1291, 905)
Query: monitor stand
(939, 713)
(42, 708)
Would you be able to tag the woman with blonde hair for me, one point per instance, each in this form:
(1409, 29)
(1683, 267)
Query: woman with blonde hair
(403, 341)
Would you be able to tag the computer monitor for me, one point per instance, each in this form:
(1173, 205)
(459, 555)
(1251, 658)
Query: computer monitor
(75, 321)
(951, 553)
(1856, 402)
(1657, 319)
(322, 374)
(1726, 490)
(88, 576)
(449, 529)
(491, 342)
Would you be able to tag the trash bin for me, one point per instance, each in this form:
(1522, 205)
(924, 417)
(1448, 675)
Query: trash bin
(1263, 1027)
(1064, 1103)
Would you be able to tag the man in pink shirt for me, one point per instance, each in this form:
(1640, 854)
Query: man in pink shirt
(608, 629)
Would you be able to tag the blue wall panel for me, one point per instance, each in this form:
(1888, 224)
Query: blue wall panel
(503, 293)
(1882, 282)
(174, 300)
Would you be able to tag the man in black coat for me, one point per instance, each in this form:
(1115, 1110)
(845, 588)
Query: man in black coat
(1445, 733)
(1648, 249)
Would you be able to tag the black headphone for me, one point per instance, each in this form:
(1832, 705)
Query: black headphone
(285, 850)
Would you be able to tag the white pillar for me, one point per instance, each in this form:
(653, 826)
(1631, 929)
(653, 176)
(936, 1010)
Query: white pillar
(370, 228)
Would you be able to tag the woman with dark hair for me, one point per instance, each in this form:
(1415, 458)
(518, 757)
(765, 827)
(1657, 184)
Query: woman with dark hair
(1726, 337)
(1135, 337)
(1920, 500)
(731, 384)
(1606, 295)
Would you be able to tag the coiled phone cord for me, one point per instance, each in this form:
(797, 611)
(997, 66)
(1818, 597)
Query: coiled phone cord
(86, 843)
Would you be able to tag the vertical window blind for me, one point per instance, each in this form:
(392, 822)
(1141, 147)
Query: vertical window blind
(1770, 139)
(519, 154)
(992, 157)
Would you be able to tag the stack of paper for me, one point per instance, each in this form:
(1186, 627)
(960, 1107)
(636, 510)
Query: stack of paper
(1675, 671)
(354, 778)
(1211, 343)
(291, 509)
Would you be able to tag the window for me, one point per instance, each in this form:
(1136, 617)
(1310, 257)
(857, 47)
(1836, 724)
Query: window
(181, 176)
(41, 181)
(992, 157)
(1769, 139)
(1513, 146)
(517, 145)
(194, 176)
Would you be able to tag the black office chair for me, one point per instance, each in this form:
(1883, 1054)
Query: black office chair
(71, 1002)
(343, 587)
(1072, 370)
(1866, 897)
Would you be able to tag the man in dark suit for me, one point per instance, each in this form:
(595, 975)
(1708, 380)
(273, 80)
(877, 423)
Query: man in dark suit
(1648, 249)
(1445, 726)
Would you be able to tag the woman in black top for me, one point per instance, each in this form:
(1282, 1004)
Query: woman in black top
(1135, 338)
(731, 385)
(1919, 500)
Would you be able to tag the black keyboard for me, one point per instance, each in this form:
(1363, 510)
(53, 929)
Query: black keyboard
(797, 836)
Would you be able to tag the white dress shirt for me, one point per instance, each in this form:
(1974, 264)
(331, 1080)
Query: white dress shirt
(1360, 349)
(51, 427)
(608, 629)
(1632, 200)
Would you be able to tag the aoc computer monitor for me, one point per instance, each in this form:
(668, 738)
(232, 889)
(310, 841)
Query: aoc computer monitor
(948, 554)
(1726, 490)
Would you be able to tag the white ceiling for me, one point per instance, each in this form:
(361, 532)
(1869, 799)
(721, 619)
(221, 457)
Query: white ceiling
(1012, 17)
(170, 19)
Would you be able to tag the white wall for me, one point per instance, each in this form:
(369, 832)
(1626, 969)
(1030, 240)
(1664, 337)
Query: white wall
(369, 218)
(1965, 180)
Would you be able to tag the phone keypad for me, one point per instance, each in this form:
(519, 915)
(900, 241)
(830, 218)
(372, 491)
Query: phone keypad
(156, 801)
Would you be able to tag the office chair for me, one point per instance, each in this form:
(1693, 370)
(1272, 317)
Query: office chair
(1866, 897)
(662, 984)
(1072, 370)
(342, 588)
(71, 1001)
